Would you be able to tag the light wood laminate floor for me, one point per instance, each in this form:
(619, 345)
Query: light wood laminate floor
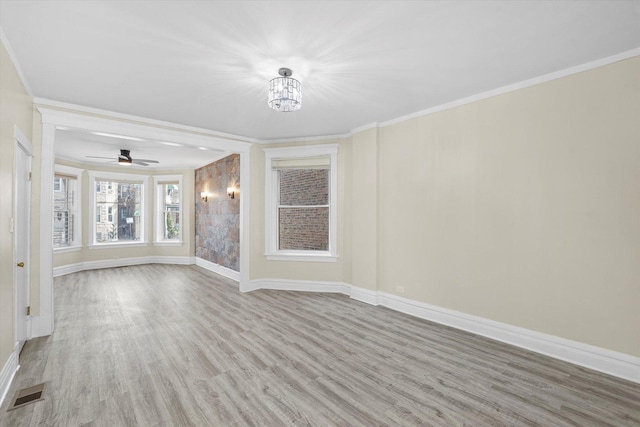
(177, 345)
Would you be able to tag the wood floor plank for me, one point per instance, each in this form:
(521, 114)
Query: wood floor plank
(157, 345)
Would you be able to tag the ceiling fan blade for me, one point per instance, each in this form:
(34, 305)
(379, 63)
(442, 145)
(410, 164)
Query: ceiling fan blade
(147, 160)
(100, 157)
(139, 162)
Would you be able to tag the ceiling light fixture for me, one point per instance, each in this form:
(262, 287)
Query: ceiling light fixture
(285, 93)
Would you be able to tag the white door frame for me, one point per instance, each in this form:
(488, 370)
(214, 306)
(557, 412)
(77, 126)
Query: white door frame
(21, 143)
(42, 324)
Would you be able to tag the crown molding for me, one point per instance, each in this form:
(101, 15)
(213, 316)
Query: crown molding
(143, 120)
(306, 138)
(519, 85)
(453, 104)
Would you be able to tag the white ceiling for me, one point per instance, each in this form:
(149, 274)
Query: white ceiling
(76, 145)
(207, 63)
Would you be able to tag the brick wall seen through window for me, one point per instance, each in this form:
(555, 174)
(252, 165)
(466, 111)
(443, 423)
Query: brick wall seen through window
(303, 212)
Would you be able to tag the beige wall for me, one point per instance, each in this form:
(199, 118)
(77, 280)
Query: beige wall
(523, 208)
(103, 254)
(364, 203)
(339, 271)
(15, 109)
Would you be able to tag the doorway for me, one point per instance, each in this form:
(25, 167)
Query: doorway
(22, 236)
(55, 122)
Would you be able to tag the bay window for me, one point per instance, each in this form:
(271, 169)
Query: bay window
(66, 208)
(117, 202)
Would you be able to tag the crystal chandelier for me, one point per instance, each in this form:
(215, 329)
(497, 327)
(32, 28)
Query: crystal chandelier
(285, 93)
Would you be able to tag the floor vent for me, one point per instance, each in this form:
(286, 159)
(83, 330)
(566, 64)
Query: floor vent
(27, 395)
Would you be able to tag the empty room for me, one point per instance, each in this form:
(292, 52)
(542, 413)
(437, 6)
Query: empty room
(324, 213)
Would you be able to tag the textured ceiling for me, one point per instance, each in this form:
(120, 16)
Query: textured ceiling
(207, 63)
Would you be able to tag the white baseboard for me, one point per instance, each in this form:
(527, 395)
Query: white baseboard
(121, 262)
(41, 326)
(364, 295)
(8, 372)
(175, 260)
(298, 285)
(599, 359)
(596, 358)
(67, 269)
(218, 269)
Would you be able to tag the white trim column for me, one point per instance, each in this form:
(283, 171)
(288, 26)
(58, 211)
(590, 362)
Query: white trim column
(42, 325)
(245, 219)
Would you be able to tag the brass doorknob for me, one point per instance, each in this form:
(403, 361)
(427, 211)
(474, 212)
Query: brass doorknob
(21, 264)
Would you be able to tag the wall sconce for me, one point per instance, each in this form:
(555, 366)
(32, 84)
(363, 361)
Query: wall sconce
(204, 196)
(231, 192)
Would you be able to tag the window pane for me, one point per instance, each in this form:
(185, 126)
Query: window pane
(63, 205)
(303, 229)
(124, 198)
(172, 225)
(304, 187)
(171, 211)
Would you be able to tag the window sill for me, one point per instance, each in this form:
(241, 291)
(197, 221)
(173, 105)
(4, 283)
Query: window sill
(304, 257)
(64, 249)
(116, 245)
(169, 243)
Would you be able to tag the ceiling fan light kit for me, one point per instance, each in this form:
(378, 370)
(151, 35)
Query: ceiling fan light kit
(125, 159)
(285, 92)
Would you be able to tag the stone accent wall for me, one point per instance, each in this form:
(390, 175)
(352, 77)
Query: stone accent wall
(218, 219)
(304, 228)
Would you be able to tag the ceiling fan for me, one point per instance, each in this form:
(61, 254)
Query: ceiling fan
(125, 159)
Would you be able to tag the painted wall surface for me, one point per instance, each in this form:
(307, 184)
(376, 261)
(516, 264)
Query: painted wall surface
(217, 221)
(339, 271)
(364, 202)
(85, 254)
(522, 208)
(15, 109)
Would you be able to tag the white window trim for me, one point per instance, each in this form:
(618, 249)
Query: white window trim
(112, 245)
(123, 177)
(77, 224)
(159, 220)
(271, 187)
(63, 249)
